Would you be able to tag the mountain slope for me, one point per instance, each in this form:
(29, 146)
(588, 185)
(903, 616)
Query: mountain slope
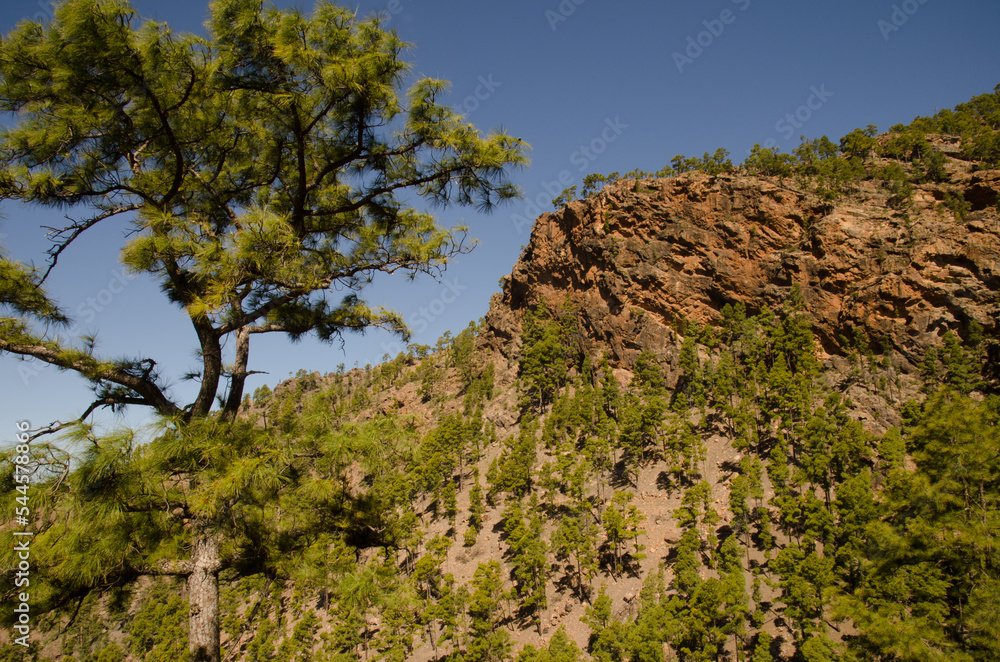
(644, 254)
(703, 420)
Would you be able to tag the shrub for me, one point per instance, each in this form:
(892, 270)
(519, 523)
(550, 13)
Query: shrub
(906, 146)
(984, 146)
(931, 168)
(768, 162)
(898, 183)
(957, 204)
(859, 143)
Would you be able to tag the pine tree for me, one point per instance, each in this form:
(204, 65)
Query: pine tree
(529, 562)
(449, 501)
(621, 520)
(262, 176)
(857, 509)
(958, 362)
(803, 577)
(476, 510)
(511, 474)
(608, 637)
(156, 633)
(762, 651)
(433, 585)
(610, 389)
(931, 582)
(690, 389)
(440, 456)
(487, 642)
(725, 389)
(543, 355)
(639, 425)
(739, 493)
(891, 451)
(574, 541)
(394, 640)
(696, 506)
(562, 648)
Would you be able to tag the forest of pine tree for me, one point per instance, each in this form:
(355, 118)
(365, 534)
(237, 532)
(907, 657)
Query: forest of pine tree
(839, 542)
(354, 529)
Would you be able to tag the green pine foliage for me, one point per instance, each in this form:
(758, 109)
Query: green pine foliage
(158, 631)
(622, 520)
(511, 474)
(768, 162)
(477, 509)
(930, 580)
(575, 541)
(443, 458)
(527, 554)
(337, 527)
(560, 649)
(545, 354)
(834, 168)
(260, 169)
(859, 520)
(487, 641)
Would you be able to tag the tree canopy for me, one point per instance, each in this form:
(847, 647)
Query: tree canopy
(262, 167)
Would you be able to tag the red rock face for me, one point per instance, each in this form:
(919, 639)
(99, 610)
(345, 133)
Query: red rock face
(640, 256)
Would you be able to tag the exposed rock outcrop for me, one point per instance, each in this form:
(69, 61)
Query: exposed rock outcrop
(644, 254)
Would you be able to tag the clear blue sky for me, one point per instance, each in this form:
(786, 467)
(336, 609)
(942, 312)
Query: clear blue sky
(593, 86)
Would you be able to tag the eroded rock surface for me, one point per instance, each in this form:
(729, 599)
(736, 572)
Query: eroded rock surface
(642, 255)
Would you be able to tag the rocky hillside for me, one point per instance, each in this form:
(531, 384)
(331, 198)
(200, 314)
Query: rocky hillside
(703, 420)
(643, 254)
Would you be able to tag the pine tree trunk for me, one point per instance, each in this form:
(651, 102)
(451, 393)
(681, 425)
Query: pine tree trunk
(203, 599)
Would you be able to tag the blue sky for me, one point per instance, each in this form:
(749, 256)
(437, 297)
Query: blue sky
(593, 86)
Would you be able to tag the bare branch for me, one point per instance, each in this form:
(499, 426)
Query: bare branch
(58, 426)
(96, 371)
(75, 230)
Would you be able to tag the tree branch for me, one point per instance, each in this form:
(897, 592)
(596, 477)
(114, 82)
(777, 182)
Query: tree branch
(75, 231)
(239, 375)
(58, 426)
(95, 371)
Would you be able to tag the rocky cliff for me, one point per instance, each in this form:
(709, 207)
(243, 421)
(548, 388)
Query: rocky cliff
(642, 255)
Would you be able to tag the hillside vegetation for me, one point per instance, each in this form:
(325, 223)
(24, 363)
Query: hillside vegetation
(718, 412)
